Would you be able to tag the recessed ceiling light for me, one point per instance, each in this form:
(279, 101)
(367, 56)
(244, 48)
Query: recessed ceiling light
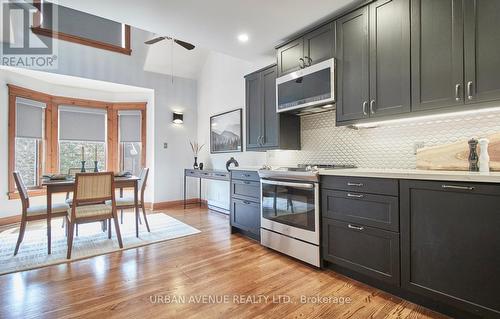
(243, 37)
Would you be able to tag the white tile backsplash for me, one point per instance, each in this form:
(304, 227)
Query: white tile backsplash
(386, 146)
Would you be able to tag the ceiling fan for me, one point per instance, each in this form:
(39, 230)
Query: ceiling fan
(185, 45)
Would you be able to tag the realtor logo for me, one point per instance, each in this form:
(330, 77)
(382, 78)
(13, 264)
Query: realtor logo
(21, 47)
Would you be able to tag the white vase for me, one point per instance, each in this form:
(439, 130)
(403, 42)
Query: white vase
(484, 157)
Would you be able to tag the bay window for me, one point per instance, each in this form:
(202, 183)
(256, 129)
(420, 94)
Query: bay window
(53, 134)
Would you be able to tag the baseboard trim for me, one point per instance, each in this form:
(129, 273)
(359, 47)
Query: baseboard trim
(177, 204)
(152, 206)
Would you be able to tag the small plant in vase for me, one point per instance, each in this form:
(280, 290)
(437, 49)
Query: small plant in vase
(196, 148)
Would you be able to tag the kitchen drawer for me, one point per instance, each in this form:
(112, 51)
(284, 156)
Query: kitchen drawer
(378, 211)
(245, 215)
(193, 172)
(245, 190)
(366, 250)
(382, 186)
(245, 175)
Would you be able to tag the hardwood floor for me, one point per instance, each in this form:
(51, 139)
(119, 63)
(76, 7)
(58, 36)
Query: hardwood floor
(149, 282)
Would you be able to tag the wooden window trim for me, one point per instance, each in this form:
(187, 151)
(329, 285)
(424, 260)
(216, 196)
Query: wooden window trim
(84, 41)
(51, 140)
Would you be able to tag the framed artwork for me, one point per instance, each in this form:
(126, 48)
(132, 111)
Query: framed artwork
(226, 132)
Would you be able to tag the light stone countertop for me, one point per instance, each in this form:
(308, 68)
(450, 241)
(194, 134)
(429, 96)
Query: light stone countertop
(457, 176)
(245, 168)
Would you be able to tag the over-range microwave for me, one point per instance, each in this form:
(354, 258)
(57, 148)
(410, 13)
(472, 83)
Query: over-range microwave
(307, 90)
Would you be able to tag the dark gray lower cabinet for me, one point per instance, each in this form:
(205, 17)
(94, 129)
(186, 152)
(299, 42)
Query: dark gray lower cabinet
(451, 244)
(245, 215)
(361, 225)
(366, 250)
(245, 203)
(372, 210)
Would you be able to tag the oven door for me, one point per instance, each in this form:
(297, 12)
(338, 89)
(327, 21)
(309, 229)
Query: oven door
(291, 209)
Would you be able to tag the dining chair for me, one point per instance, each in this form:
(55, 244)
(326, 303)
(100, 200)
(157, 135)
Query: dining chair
(128, 202)
(31, 213)
(90, 192)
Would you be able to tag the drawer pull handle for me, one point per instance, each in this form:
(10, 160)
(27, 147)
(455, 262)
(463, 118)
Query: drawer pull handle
(463, 188)
(355, 195)
(355, 227)
(247, 175)
(246, 202)
(220, 175)
(246, 182)
(355, 184)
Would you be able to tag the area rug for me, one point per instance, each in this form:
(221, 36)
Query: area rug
(91, 241)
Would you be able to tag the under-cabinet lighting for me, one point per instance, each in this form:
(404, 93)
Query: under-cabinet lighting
(425, 118)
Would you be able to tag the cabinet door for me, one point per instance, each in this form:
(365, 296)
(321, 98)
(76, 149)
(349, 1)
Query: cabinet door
(289, 57)
(319, 45)
(437, 54)
(390, 57)
(245, 215)
(377, 211)
(482, 50)
(253, 110)
(270, 116)
(369, 251)
(352, 54)
(450, 243)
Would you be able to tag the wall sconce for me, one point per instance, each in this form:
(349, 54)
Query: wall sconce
(178, 118)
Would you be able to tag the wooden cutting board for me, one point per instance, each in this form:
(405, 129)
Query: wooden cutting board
(455, 156)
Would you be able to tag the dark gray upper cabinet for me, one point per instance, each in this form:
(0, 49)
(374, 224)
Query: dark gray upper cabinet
(390, 91)
(373, 49)
(319, 45)
(482, 50)
(270, 120)
(290, 55)
(253, 110)
(266, 129)
(314, 47)
(437, 53)
(450, 244)
(352, 66)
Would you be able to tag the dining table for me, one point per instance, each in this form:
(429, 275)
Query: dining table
(54, 186)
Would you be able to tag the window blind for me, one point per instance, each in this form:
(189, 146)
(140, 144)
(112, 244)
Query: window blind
(82, 124)
(29, 118)
(130, 126)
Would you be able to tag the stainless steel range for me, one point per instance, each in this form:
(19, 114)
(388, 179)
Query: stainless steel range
(290, 210)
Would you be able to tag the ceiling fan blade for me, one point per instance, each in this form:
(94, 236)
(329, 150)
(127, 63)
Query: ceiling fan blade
(153, 41)
(185, 45)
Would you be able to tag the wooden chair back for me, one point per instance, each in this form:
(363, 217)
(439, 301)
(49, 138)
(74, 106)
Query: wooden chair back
(23, 191)
(94, 187)
(73, 171)
(143, 181)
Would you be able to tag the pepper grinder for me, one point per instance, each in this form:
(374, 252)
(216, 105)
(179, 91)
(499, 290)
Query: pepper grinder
(473, 158)
(484, 157)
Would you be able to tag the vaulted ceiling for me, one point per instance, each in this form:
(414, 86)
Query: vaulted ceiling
(216, 24)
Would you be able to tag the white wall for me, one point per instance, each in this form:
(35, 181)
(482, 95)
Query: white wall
(221, 88)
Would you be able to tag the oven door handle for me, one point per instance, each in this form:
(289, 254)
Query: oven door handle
(291, 184)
